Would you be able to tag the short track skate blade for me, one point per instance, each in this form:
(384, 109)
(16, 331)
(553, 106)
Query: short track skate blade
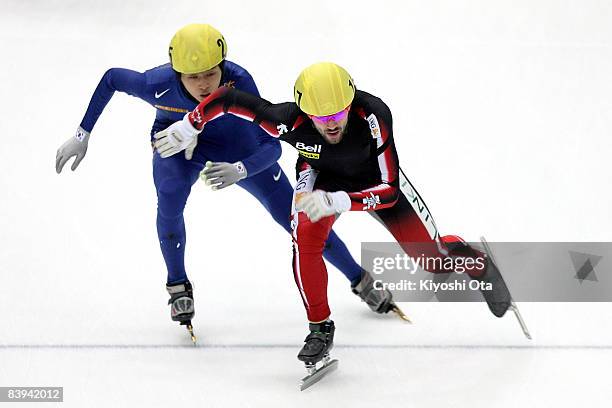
(400, 314)
(193, 337)
(318, 374)
(513, 306)
(189, 328)
(515, 309)
(488, 250)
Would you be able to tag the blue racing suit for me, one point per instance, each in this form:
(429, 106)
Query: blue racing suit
(161, 87)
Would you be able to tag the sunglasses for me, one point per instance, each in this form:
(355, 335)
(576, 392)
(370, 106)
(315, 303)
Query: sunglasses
(336, 117)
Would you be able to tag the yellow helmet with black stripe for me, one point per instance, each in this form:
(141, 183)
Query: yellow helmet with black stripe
(323, 89)
(197, 48)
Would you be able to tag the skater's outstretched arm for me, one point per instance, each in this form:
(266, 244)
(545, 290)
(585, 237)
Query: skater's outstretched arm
(269, 150)
(278, 119)
(274, 119)
(115, 79)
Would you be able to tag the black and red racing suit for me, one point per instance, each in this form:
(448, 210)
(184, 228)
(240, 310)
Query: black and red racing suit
(364, 164)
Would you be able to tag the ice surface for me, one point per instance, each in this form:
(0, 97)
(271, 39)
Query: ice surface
(502, 121)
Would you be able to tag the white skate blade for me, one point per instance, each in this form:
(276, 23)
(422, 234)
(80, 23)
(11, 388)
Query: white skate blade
(318, 374)
(513, 306)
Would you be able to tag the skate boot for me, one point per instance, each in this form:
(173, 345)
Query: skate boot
(318, 345)
(318, 342)
(498, 297)
(378, 300)
(492, 285)
(182, 307)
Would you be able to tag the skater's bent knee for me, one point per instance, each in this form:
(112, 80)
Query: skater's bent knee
(173, 188)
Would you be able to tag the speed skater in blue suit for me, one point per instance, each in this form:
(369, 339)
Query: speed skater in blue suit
(197, 67)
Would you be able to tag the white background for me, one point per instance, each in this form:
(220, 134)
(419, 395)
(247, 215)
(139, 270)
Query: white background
(502, 120)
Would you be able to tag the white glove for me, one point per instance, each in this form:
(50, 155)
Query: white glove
(75, 146)
(319, 204)
(175, 138)
(190, 148)
(221, 175)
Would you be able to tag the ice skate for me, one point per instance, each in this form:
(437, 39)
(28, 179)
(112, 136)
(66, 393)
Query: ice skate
(182, 306)
(318, 345)
(378, 300)
(499, 299)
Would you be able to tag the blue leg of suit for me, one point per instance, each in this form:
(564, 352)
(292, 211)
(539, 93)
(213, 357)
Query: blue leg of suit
(174, 176)
(273, 190)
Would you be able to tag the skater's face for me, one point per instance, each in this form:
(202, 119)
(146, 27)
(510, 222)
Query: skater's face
(332, 127)
(202, 84)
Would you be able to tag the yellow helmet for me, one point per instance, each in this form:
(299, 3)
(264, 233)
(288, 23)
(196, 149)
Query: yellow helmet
(323, 89)
(197, 48)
